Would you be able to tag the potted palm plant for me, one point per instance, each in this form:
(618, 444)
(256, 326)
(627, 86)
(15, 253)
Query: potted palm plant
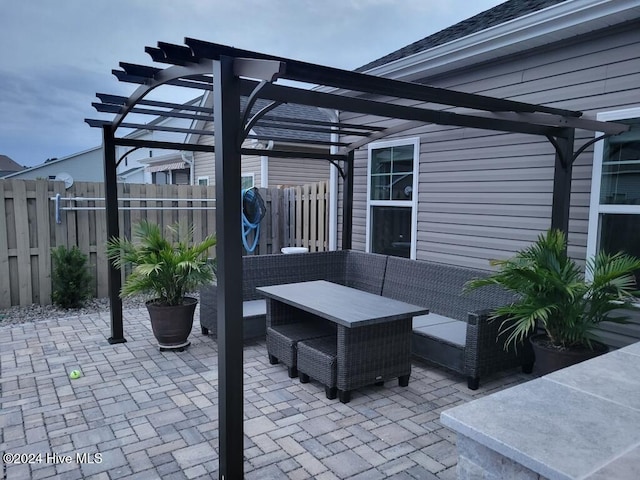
(167, 269)
(554, 293)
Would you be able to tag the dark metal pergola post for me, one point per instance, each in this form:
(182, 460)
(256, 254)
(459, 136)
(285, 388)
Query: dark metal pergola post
(561, 203)
(347, 202)
(113, 230)
(226, 105)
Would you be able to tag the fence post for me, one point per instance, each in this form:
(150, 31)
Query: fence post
(5, 282)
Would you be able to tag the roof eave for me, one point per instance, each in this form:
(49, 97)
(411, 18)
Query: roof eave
(552, 24)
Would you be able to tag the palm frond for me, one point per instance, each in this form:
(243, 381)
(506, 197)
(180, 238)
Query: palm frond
(554, 294)
(165, 266)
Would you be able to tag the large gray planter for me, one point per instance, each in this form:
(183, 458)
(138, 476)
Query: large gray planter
(171, 324)
(549, 360)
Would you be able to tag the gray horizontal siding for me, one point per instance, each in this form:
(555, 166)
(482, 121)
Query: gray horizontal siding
(281, 171)
(251, 164)
(485, 194)
(289, 171)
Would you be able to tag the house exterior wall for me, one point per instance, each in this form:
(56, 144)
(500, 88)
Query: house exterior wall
(483, 194)
(288, 171)
(205, 162)
(83, 167)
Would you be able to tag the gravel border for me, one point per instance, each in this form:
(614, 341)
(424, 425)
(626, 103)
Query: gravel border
(33, 313)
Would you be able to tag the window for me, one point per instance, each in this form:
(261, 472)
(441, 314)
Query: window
(160, 178)
(391, 197)
(614, 216)
(181, 176)
(248, 180)
(203, 180)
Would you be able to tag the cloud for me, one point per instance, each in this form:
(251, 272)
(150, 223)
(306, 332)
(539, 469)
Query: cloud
(57, 55)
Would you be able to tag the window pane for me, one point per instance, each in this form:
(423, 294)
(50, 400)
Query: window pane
(381, 161)
(380, 187)
(621, 167)
(391, 231)
(402, 187)
(403, 159)
(392, 173)
(620, 233)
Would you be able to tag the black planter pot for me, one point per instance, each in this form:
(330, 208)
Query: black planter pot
(171, 324)
(549, 359)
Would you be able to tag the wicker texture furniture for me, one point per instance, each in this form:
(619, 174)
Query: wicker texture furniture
(282, 342)
(456, 335)
(373, 332)
(346, 267)
(459, 336)
(317, 360)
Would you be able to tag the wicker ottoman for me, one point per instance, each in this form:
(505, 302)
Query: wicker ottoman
(317, 359)
(282, 341)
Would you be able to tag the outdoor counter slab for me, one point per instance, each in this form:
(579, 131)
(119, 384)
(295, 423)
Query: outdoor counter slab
(582, 422)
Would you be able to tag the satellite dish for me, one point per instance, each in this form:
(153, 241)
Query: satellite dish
(66, 178)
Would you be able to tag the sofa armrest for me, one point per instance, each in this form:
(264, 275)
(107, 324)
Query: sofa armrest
(209, 307)
(484, 350)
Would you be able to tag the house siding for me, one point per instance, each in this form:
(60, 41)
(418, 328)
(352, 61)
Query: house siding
(282, 171)
(85, 167)
(484, 195)
(204, 162)
(292, 171)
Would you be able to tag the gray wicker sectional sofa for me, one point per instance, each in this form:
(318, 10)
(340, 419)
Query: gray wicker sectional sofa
(456, 334)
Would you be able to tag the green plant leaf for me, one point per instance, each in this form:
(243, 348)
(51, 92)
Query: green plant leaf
(167, 267)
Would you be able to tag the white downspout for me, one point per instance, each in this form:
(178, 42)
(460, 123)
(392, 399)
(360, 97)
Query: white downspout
(264, 167)
(333, 189)
(190, 161)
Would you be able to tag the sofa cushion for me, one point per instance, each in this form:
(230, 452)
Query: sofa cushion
(254, 308)
(453, 332)
(430, 319)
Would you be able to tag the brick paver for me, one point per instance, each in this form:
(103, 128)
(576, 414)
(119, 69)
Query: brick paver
(138, 413)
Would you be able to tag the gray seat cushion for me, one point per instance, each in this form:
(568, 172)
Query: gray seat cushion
(443, 328)
(254, 308)
(430, 320)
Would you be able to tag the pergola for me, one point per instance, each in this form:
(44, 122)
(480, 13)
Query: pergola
(230, 74)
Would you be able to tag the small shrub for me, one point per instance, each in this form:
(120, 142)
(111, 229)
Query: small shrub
(70, 279)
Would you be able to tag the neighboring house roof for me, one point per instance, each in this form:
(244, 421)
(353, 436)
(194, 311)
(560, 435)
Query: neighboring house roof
(131, 171)
(53, 162)
(8, 166)
(285, 110)
(293, 111)
(495, 16)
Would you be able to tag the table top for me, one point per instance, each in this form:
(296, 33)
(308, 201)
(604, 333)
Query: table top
(343, 305)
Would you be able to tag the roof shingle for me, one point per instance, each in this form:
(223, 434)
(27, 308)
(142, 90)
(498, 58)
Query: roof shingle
(495, 16)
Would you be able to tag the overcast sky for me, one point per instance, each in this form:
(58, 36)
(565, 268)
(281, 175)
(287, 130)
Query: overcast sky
(55, 55)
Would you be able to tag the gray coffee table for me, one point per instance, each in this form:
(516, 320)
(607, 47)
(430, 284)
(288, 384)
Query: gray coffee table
(373, 332)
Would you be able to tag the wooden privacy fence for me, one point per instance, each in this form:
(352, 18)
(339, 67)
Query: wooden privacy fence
(38, 215)
(296, 217)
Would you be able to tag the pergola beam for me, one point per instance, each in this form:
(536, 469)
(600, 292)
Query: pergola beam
(187, 147)
(360, 82)
(389, 110)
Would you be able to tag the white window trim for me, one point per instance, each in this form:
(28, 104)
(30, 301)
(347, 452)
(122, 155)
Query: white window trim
(595, 209)
(413, 203)
(203, 178)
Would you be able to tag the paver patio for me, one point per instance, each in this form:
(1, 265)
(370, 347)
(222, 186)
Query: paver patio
(155, 415)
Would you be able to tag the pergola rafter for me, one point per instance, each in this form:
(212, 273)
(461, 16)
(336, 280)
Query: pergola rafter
(233, 76)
